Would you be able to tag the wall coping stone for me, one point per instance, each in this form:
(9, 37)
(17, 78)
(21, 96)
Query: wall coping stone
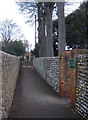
(1, 52)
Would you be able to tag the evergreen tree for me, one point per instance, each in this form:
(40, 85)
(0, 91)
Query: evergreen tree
(76, 28)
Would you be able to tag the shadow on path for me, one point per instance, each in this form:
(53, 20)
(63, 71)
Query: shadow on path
(35, 99)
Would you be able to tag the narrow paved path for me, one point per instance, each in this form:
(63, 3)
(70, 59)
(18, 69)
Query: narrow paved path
(35, 99)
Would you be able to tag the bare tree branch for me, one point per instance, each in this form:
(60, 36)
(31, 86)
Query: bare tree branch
(9, 31)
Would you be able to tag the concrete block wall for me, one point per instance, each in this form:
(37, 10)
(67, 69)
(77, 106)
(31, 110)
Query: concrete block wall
(82, 86)
(48, 69)
(9, 70)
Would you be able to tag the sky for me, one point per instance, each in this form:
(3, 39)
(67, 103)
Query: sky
(9, 9)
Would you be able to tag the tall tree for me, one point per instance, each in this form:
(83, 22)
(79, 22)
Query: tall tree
(49, 28)
(76, 26)
(29, 8)
(46, 45)
(87, 23)
(40, 32)
(15, 48)
(9, 31)
(43, 18)
(61, 28)
(46, 42)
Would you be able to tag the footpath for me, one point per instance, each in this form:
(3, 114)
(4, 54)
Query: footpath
(35, 99)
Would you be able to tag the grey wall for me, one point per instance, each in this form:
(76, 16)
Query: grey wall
(9, 70)
(82, 86)
(48, 69)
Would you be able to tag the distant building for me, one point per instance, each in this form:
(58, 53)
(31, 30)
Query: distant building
(27, 56)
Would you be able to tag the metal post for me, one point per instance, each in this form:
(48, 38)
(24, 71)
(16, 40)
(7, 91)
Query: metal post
(35, 29)
(30, 52)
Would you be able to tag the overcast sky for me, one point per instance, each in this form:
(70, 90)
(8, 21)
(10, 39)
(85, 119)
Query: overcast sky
(8, 9)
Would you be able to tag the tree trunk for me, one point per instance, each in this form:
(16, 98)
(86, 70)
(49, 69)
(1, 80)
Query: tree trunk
(43, 36)
(61, 28)
(87, 24)
(40, 31)
(49, 38)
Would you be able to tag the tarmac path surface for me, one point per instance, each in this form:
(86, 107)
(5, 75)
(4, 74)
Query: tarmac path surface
(34, 98)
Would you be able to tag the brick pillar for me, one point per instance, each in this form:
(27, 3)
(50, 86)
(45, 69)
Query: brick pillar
(68, 74)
